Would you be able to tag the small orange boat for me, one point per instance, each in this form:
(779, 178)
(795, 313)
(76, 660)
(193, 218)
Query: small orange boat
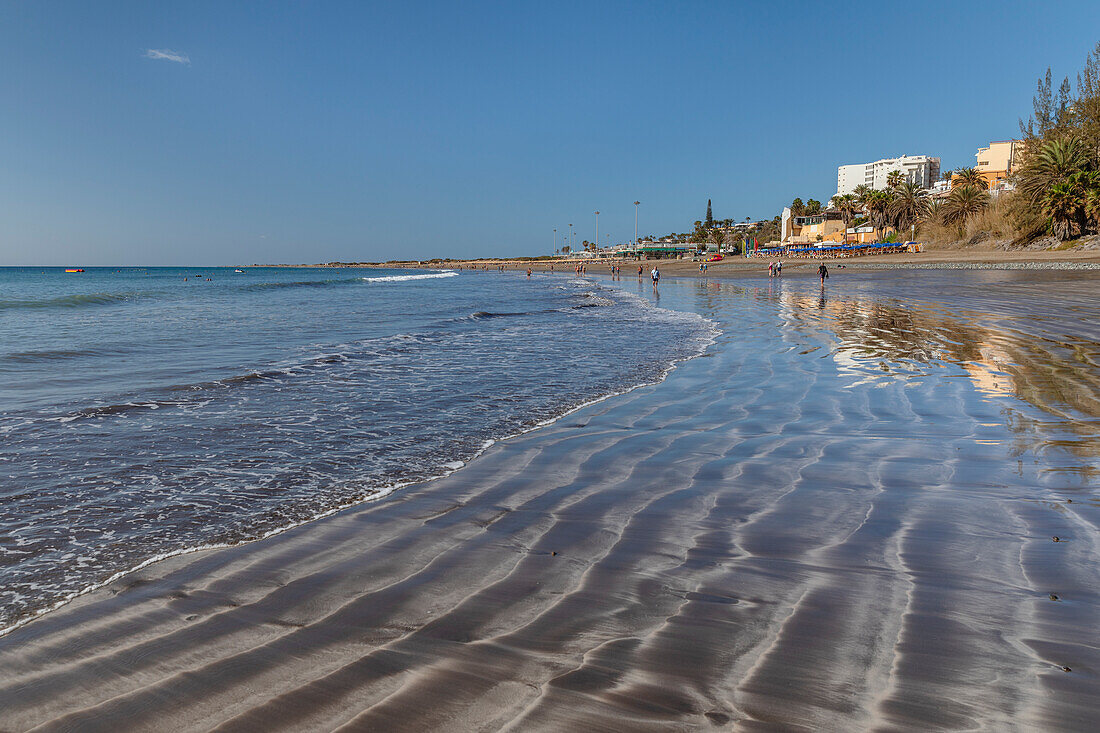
(75, 270)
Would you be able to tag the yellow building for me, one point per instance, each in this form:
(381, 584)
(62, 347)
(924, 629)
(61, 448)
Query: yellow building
(824, 227)
(998, 161)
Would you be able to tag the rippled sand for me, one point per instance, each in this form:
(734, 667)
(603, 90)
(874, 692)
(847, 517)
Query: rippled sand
(842, 517)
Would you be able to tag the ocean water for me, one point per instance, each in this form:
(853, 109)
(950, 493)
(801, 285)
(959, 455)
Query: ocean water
(147, 412)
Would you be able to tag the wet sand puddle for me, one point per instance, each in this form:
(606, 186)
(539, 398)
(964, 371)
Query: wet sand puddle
(842, 517)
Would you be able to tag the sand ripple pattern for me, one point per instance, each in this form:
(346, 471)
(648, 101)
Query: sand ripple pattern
(833, 521)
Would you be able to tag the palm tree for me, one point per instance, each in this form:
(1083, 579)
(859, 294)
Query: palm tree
(894, 179)
(1092, 207)
(969, 177)
(1085, 183)
(1053, 162)
(908, 205)
(878, 210)
(964, 202)
(1063, 203)
(848, 206)
(862, 192)
(934, 210)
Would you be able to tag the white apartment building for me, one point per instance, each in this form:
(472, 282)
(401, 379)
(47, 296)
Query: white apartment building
(850, 176)
(919, 169)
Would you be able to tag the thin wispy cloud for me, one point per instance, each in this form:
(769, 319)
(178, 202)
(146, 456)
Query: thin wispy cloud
(164, 54)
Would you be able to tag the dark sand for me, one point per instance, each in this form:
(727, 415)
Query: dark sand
(840, 518)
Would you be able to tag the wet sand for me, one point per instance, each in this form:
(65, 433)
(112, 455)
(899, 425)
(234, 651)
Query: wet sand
(840, 518)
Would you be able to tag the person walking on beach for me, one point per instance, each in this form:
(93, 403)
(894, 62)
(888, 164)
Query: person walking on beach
(779, 268)
(528, 273)
(639, 270)
(656, 275)
(823, 272)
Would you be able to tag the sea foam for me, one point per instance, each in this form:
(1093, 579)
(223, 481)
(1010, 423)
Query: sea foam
(401, 278)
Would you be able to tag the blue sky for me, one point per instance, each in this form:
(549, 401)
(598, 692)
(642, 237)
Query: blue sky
(310, 131)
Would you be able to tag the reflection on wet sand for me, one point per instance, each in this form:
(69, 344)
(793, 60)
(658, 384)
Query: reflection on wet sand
(881, 337)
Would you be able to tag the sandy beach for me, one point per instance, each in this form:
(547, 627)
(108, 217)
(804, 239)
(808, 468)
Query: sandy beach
(841, 517)
(736, 266)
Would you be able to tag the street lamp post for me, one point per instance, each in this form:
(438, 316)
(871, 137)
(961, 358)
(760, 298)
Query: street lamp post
(572, 241)
(636, 226)
(597, 243)
(555, 240)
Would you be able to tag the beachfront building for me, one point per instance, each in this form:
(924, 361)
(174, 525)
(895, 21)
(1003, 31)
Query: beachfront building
(997, 162)
(827, 226)
(922, 170)
(861, 235)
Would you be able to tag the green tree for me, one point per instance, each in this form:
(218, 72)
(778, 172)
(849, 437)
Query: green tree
(863, 193)
(813, 206)
(1063, 203)
(848, 206)
(878, 210)
(894, 179)
(699, 234)
(1049, 163)
(934, 210)
(1085, 185)
(710, 217)
(797, 207)
(1086, 108)
(1044, 113)
(964, 202)
(717, 237)
(908, 205)
(1092, 208)
(969, 177)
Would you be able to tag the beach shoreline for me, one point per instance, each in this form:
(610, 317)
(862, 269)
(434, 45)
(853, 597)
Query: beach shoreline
(696, 552)
(738, 266)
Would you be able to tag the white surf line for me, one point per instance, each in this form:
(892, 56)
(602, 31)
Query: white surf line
(385, 490)
(401, 278)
